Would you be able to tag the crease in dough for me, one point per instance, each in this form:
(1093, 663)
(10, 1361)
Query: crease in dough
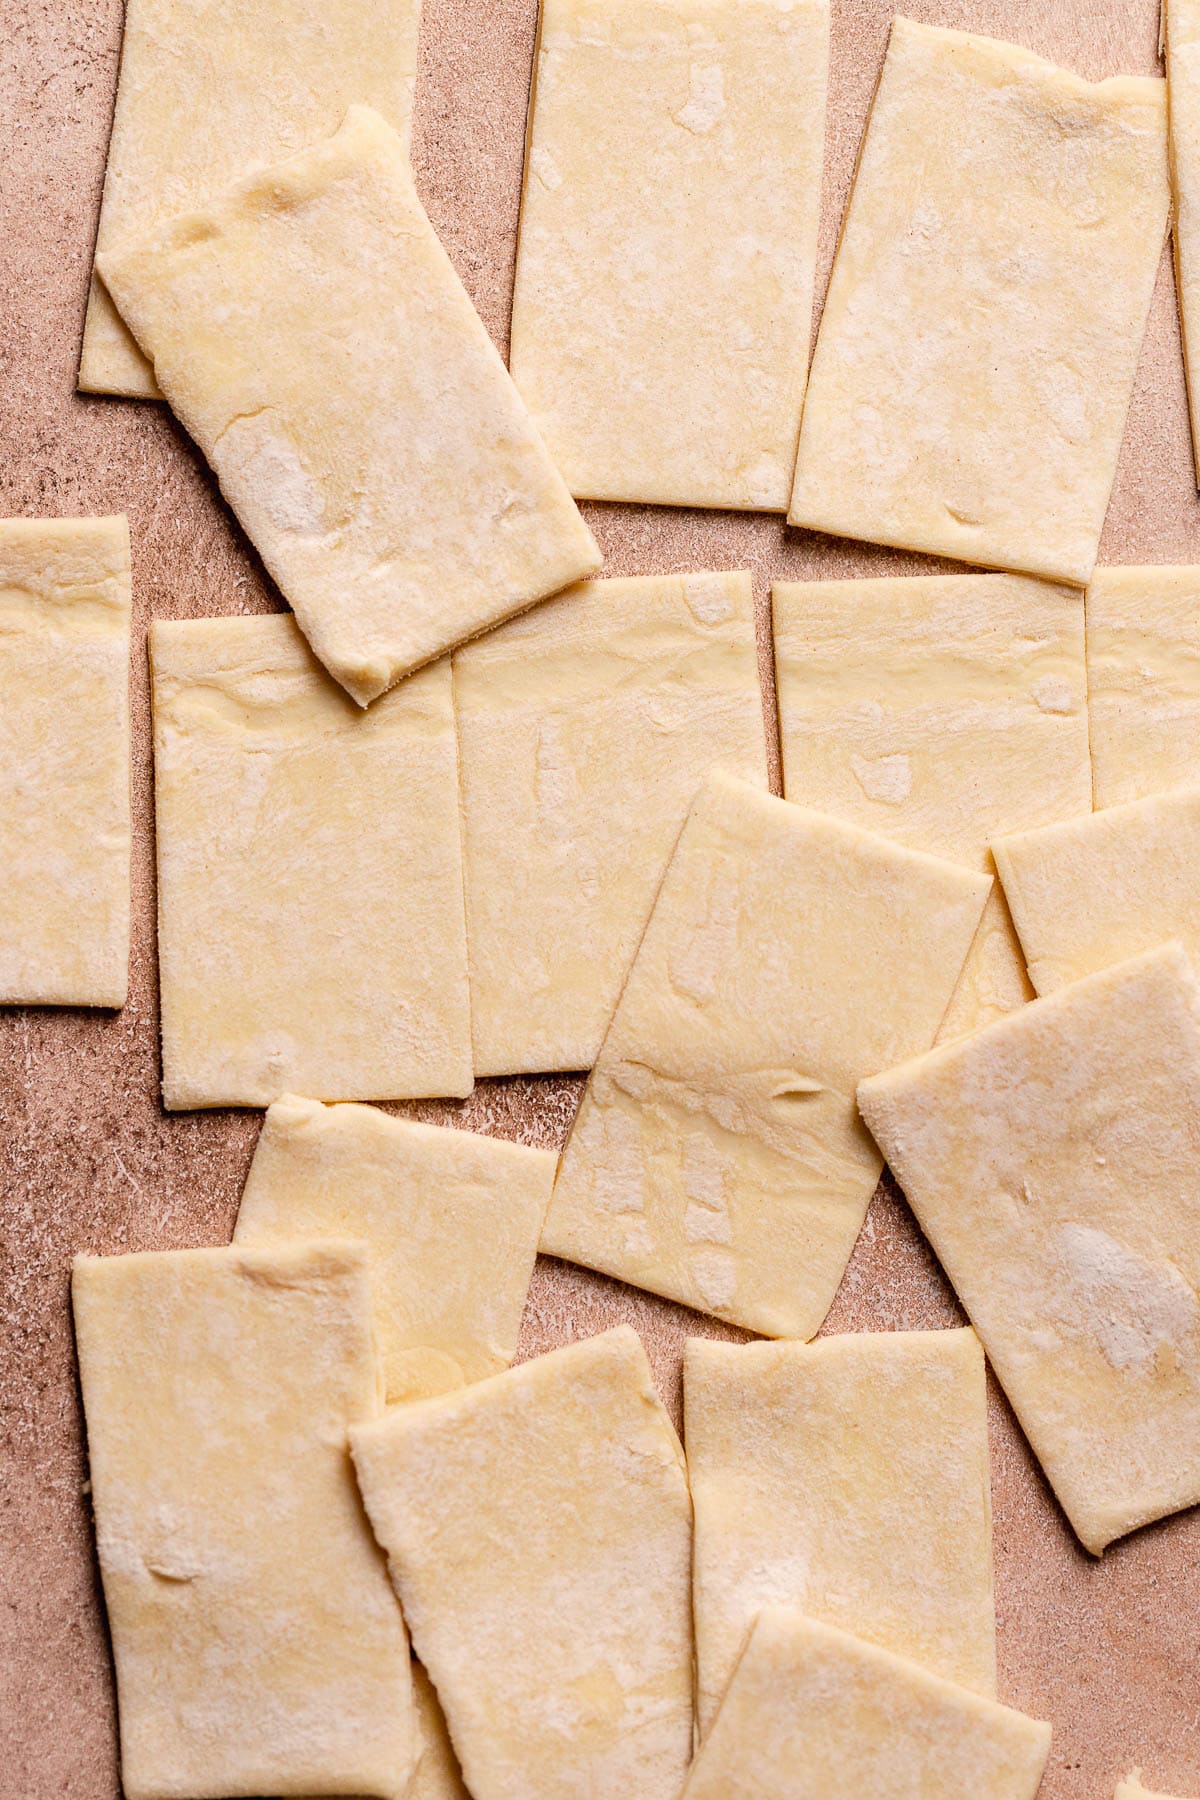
(438, 1776)
(1181, 44)
(1143, 654)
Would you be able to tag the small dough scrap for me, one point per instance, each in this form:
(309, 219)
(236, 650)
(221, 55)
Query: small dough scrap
(941, 711)
(663, 304)
(717, 1156)
(978, 347)
(812, 1712)
(1143, 654)
(585, 729)
(64, 762)
(450, 1218)
(1053, 1163)
(311, 334)
(1095, 890)
(438, 1775)
(538, 1530)
(311, 934)
(254, 83)
(1181, 36)
(259, 1648)
(1131, 1789)
(848, 1479)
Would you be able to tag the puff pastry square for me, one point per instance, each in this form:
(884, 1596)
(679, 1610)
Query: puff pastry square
(941, 711)
(717, 1156)
(1181, 32)
(1143, 654)
(847, 1479)
(1053, 1163)
(258, 1645)
(664, 286)
(311, 935)
(309, 331)
(254, 83)
(538, 1530)
(813, 1712)
(978, 347)
(64, 761)
(585, 729)
(450, 1219)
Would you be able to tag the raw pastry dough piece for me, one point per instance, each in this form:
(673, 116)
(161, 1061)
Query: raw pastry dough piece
(664, 287)
(717, 1156)
(939, 711)
(1181, 32)
(1131, 1789)
(259, 1648)
(978, 348)
(311, 334)
(1143, 653)
(64, 761)
(585, 729)
(451, 1220)
(538, 1529)
(311, 934)
(253, 83)
(438, 1775)
(1053, 1163)
(1097, 889)
(847, 1479)
(812, 1712)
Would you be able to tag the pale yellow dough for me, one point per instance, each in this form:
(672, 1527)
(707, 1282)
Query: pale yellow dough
(1131, 1789)
(717, 1156)
(450, 1218)
(253, 82)
(1143, 653)
(538, 1530)
(438, 1775)
(940, 711)
(978, 347)
(1053, 1163)
(585, 729)
(311, 334)
(848, 1479)
(311, 932)
(664, 287)
(812, 1712)
(1181, 32)
(259, 1648)
(64, 761)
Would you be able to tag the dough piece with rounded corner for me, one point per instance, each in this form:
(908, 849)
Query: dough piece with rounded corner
(1143, 656)
(450, 1219)
(1052, 1161)
(717, 1157)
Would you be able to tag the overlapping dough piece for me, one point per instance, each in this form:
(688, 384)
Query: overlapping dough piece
(978, 347)
(258, 1645)
(64, 761)
(1143, 654)
(717, 1156)
(941, 711)
(664, 286)
(450, 1218)
(311, 932)
(1094, 890)
(1131, 1789)
(253, 83)
(311, 334)
(847, 1479)
(1181, 34)
(585, 729)
(538, 1529)
(1052, 1160)
(812, 1712)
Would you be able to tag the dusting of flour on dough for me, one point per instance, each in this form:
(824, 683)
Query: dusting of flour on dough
(1130, 1307)
(545, 168)
(884, 778)
(707, 598)
(706, 98)
(1053, 694)
(261, 461)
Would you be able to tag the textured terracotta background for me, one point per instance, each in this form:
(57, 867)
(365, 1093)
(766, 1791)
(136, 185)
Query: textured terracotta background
(1110, 1651)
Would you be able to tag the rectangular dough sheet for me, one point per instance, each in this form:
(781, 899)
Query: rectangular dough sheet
(663, 303)
(585, 729)
(847, 1479)
(717, 1156)
(538, 1530)
(258, 1645)
(250, 84)
(941, 711)
(64, 761)
(812, 1712)
(310, 332)
(450, 1218)
(311, 935)
(1053, 1163)
(1181, 36)
(978, 347)
(1143, 654)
